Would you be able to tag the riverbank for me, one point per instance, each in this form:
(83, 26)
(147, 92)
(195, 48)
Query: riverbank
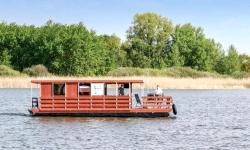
(150, 82)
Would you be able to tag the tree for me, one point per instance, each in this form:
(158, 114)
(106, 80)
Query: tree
(152, 42)
(232, 61)
(63, 49)
(195, 49)
(147, 38)
(175, 58)
(245, 62)
(115, 56)
(220, 65)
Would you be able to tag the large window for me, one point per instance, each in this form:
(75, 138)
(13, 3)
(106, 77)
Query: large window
(110, 89)
(84, 89)
(59, 89)
(117, 89)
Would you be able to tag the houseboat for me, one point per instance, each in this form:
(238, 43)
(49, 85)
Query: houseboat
(98, 98)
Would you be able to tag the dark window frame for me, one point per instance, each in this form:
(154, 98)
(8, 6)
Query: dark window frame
(59, 89)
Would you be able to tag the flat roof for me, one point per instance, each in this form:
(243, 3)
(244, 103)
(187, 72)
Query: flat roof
(87, 81)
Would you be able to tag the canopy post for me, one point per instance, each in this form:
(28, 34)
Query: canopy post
(142, 89)
(31, 92)
(116, 91)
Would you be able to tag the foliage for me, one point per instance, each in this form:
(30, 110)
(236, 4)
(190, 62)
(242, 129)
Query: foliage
(115, 56)
(195, 50)
(174, 57)
(64, 49)
(153, 43)
(7, 71)
(37, 70)
(177, 72)
(231, 62)
(5, 58)
(146, 40)
(245, 63)
(240, 74)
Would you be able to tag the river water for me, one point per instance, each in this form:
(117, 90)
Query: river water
(207, 119)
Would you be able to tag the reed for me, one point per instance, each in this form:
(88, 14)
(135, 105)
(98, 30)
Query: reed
(149, 82)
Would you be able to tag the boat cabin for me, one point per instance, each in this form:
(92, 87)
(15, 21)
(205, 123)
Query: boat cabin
(98, 98)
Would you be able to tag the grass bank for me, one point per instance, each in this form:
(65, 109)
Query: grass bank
(168, 78)
(150, 82)
(174, 72)
(6, 71)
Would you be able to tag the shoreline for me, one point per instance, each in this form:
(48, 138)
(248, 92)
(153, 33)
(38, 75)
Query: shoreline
(149, 82)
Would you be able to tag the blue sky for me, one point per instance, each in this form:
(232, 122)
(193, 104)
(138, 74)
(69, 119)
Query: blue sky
(228, 22)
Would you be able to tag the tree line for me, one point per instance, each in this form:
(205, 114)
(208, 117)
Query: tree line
(152, 42)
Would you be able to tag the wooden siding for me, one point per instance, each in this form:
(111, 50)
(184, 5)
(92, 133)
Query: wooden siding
(46, 90)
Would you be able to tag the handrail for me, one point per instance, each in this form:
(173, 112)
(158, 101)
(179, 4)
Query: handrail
(157, 97)
(88, 102)
(156, 101)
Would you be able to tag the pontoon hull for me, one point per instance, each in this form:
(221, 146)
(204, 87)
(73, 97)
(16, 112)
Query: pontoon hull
(105, 114)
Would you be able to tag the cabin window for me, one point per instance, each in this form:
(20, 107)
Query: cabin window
(123, 89)
(117, 89)
(84, 89)
(59, 89)
(110, 89)
(97, 89)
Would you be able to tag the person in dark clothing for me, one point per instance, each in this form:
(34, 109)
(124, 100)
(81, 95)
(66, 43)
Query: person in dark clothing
(121, 90)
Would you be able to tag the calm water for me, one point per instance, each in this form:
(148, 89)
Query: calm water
(207, 119)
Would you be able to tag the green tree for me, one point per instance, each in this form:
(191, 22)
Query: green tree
(115, 55)
(5, 58)
(63, 49)
(220, 65)
(245, 63)
(152, 42)
(175, 58)
(147, 38)
(195, 49)
(232, 61)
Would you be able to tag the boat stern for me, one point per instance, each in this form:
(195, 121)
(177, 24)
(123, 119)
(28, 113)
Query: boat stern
(33, 111)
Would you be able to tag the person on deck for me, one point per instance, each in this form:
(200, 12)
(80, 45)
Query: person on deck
(158, 91)
(121, 90)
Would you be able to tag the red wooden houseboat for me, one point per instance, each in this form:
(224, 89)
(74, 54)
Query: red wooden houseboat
(106, 98)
